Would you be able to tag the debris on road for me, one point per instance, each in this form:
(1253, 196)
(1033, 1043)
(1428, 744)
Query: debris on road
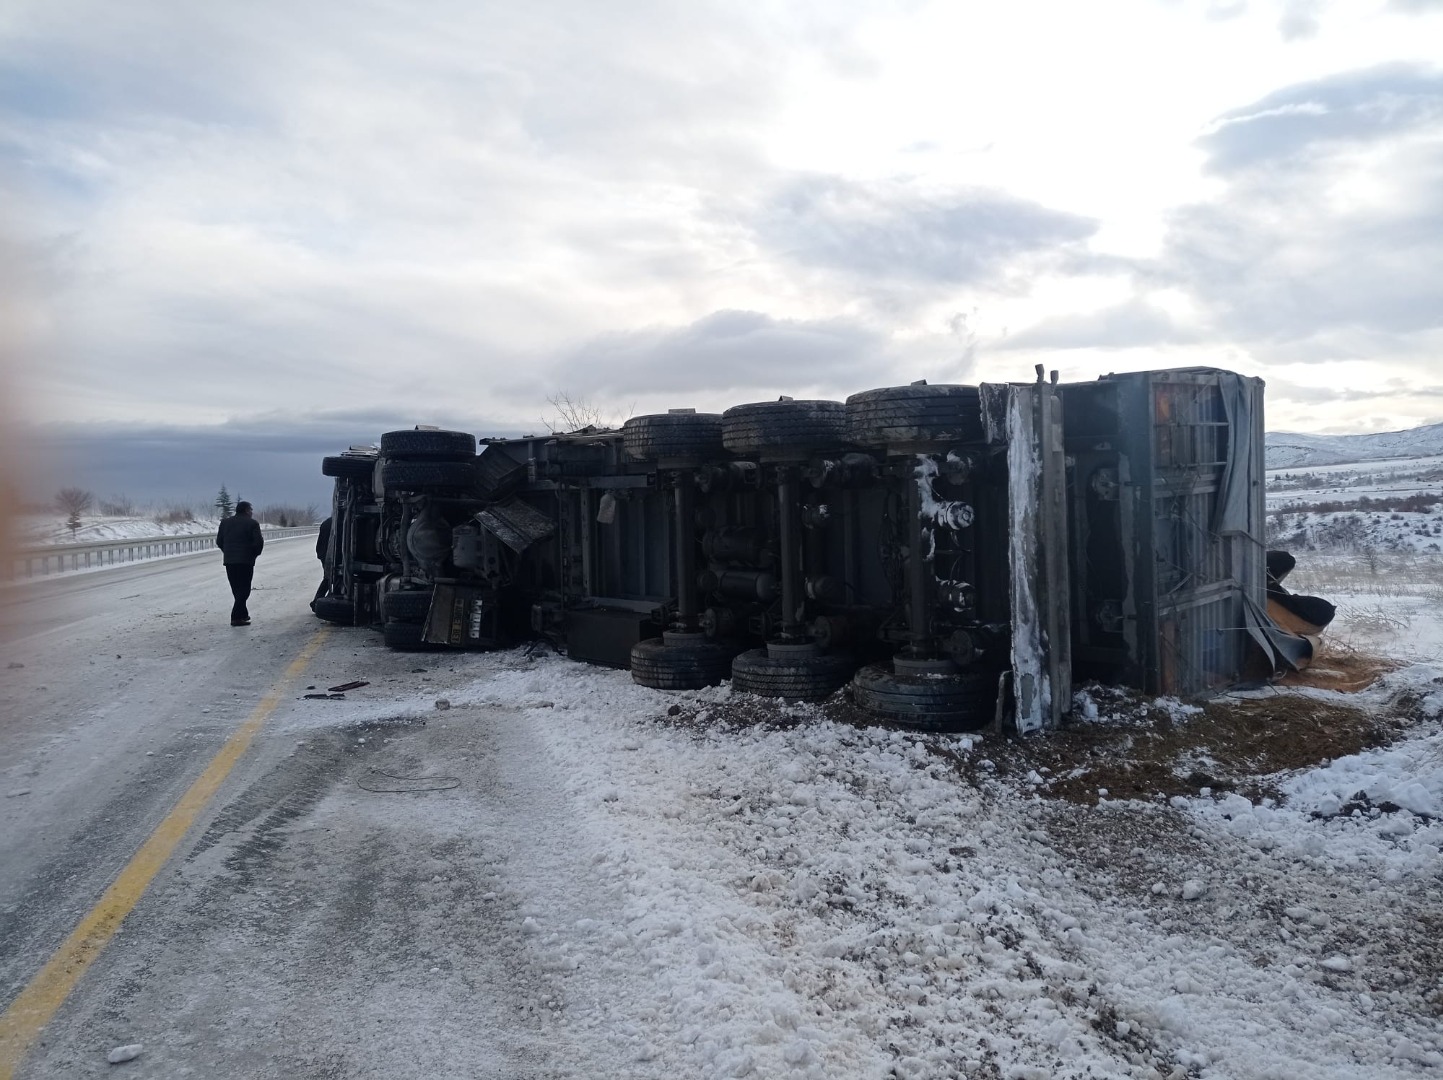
(433, 783)
(356, 685)
(325, 697)
(128, 1052)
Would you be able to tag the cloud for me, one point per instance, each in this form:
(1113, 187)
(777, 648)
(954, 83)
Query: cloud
(1300, 19)
(1329, 236)
(267, 458)
(318, 207)
(728, 351)
(1225, 10)
(898, 231)
(1316, 394)
(1132, 324)
(364, 202)
(1296, 125)
(1326, 242)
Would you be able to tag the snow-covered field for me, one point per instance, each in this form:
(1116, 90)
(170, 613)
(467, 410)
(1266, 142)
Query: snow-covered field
(1384, 505)
(36, 529)
(1389, 603)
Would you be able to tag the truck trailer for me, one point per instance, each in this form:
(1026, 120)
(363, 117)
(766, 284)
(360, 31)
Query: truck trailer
(953, 556)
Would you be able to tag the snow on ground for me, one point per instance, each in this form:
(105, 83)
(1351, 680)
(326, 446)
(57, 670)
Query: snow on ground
(811, 898)
(1357, 507)
(1389, 603)
(1384, 475)
(37, 529)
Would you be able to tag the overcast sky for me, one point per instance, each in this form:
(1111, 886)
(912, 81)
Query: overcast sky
(278, 228)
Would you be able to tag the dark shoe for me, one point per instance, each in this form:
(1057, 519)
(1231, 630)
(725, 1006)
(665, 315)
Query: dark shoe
(240, 622)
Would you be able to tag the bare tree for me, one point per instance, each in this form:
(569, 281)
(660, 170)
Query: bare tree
(174, 514)
(73, 502)
(118, 506)
(286, 515)
(577, 414)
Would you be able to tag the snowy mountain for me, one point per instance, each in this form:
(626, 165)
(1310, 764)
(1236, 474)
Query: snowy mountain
(1286, 449)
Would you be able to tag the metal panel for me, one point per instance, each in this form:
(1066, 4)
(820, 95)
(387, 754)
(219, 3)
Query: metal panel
(516, 525)
(1151, 459)
(606, 635)
(1038, 535)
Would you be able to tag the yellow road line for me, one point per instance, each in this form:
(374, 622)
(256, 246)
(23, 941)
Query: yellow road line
(47, 991)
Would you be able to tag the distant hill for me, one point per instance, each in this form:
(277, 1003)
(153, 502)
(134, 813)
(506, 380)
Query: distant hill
(1287, 449)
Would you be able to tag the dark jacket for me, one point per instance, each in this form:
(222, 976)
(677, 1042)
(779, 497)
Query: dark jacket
(239, 539)
(322, 539)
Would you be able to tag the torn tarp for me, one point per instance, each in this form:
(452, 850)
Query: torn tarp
(1281, 649)
(1242, 402)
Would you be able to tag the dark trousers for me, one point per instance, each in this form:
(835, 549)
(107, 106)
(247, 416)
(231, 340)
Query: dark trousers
(239, 575)
(325, 585)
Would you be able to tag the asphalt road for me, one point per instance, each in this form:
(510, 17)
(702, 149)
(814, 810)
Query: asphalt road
(307, 924)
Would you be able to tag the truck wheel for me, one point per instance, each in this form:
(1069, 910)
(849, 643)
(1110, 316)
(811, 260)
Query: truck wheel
(799, 678)
(678, 662)
(899, 415)
(770, 425)
(348, 468)
(406, 605)
(408, 445)
(960, 701)
(423, 476)
(407, 637)
(672, 435)
(335, 609)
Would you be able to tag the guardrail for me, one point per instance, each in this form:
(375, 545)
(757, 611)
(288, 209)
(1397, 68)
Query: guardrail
(38, 561)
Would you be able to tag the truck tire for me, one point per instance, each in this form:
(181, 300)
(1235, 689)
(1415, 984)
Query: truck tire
(899, 415)
(427, 476)
(963, 701)
(799, 678)
(688, 665)
(425, 445)
(335, 609)
(406, 605)
(672, 435)
(348, 468)
(772, 425)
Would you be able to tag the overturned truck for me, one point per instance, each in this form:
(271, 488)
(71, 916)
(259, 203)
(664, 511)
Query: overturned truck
(953, 555)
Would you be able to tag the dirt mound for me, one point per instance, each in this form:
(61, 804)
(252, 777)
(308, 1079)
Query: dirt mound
(1340, 668)
(1123, 745)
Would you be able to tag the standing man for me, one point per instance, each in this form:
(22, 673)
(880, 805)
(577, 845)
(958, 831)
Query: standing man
(323, 541)
(240, 542)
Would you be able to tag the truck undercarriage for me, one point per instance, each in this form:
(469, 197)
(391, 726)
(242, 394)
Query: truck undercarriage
(953, 555)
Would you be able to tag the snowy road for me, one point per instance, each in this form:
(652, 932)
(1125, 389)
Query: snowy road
(561, 874)
(308, 926)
